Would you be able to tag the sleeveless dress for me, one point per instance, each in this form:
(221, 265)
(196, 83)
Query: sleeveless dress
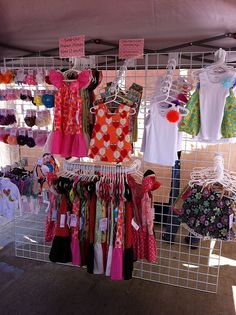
(110, 137)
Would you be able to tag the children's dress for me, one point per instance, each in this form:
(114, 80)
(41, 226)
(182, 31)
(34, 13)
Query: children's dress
(110, 138)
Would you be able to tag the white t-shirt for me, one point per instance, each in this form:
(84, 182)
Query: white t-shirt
(161, 139)
(10, 199)
(212, 98)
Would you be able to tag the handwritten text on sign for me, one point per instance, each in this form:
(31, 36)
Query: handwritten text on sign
(71, 47)
(131, 48)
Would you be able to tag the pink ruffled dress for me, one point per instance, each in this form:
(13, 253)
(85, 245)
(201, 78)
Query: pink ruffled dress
(67, 137)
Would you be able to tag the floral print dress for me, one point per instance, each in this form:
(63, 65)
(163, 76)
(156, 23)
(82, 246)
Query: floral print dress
(205, 213)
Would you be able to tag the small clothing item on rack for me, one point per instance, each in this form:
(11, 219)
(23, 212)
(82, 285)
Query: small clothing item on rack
(10, 199)
(212, 112)
(68, 138)
(110, 138)
(144, 242)
(132, 97)
(205, 212)
(157, 130)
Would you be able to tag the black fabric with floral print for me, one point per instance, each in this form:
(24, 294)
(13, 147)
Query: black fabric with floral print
(206, 213)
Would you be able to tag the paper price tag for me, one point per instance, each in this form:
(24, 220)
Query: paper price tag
(231, 220)
(103, 224)
(68, 219)
(73, 220)
(30, 133)
(13, 132)
(71, 47)
(22, 132)
(54, 215)
(153, 213)
(134, 224)
(62, 220)
(131, 48)
(81, 223)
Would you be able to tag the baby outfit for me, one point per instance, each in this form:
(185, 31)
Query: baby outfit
(10, 199)
(205, 213)
(212, 110)
(110, 137)
(161, 139)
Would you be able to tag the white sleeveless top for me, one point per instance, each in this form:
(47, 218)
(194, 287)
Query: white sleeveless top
(161, 139)
(212, 98)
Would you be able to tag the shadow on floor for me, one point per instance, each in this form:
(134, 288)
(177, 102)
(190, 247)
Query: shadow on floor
(30, 287)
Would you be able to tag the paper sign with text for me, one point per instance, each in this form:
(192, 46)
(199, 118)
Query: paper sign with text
(71, 46)
(131, 48)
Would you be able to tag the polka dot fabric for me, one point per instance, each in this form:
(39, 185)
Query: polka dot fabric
(110, 140)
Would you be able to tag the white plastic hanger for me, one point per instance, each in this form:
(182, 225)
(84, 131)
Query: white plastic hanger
(214, 175)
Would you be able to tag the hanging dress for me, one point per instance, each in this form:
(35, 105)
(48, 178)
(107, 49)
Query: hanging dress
(110, 137)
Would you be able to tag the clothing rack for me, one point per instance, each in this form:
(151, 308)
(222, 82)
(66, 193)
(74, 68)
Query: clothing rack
(106, 167)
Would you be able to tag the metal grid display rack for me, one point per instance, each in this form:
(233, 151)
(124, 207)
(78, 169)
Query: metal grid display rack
(178, 264)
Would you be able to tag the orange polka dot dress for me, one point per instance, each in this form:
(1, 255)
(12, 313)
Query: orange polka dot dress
(110, 140)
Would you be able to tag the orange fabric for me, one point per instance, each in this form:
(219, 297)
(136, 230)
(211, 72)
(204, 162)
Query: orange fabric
(110, 138)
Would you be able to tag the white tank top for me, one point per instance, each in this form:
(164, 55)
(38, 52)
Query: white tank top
(160, 139)
(212, 102)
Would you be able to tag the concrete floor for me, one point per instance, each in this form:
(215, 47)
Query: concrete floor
(29, 287)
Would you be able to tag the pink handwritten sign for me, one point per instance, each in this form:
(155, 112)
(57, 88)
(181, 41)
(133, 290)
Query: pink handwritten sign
(71, 46)
(131, 48)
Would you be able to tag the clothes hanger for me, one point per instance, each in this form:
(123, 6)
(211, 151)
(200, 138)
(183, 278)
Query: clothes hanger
(214, 175)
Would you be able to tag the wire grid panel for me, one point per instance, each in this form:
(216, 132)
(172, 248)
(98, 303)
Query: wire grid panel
(178, 263)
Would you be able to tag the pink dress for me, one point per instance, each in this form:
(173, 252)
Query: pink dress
(67, 136)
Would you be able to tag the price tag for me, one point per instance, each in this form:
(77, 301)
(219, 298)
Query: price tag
(71, 46)
(54, 215)
(81, 223)
(62, 220)
(152, 213)
(13, 132)
(131, 48)
(30, 133)
(134, 224)
(103, 224)
(231, 220)
(73, 220)
(68, 219)
(22, 132)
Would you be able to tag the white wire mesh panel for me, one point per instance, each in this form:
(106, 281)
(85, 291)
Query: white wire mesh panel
(178, 263)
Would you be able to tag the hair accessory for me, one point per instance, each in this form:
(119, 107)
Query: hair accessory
(47, 80)
(37, 100)
(30, 118)
(21, 140)
(40, 137)
(30, 142)
(30, 80)
(173, 116)
(6, 77)
(12, 140)
(20, 76)
(48, 100)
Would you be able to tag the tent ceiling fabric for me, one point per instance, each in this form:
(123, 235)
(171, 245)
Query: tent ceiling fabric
(36, 26)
